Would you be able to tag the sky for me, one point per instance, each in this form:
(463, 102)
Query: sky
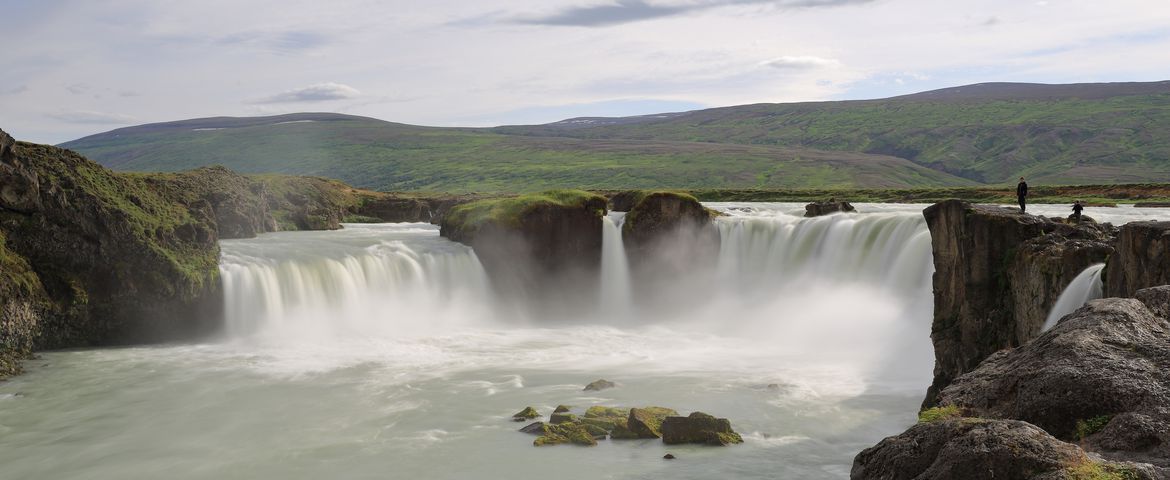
(75, 68)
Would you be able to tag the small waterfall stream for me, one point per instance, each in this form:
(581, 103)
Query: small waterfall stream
(1086, 286)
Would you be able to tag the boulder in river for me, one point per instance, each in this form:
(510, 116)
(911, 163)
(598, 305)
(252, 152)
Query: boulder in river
(816, 209)
(599, 385)
(527, 414)
(647, 422)
(698, 427)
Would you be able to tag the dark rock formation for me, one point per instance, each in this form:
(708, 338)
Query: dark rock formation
(599, 385)
(997, 274)
(816, 209)
(1107, 364)
(625, 201)
(699, 427)
(410, 208)
(537, 245)
(528, 413)
(1142, 259)
(667, 234)
(535, 428)
(976, 449)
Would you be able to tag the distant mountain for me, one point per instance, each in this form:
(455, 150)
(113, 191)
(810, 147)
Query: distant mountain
(985, 133)
(375, 154)
(988, 133)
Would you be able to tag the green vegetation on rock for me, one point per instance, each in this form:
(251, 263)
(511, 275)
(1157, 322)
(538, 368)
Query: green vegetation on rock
(1089, 426)
(935, 414)
(1090, 470)
(464, 221)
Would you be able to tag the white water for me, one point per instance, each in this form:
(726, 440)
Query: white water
(1084, 287)
(378, 352)
(615, 268)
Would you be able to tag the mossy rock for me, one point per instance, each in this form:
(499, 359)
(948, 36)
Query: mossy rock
(463, 223)
(598, 411)
(698, 427)
(599, 385)
(647, 422)
(562, 409)
(575, 433)
(563, 417)
(527, 414)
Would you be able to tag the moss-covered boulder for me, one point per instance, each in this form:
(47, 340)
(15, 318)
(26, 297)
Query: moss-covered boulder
(528, 413)
(816, 209)
(575, 433)
(538, 244)
(598, 385)
(698, 427)
(668, 234)
(647, 422)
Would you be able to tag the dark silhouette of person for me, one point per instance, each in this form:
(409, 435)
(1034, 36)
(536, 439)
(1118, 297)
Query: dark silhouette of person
(1077, 207)
(1022, 194)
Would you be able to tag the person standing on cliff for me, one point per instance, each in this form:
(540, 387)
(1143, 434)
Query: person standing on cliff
(1022, 193)
(1077, 207)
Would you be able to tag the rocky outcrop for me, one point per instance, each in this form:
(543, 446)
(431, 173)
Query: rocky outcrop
(1142, 259)
(698, 427)
(816, 209)
(997, 274)
(410, 208)
(535, 245)
(599, 385)
(667, 234)
(647, 422)
(115, 260)
(1101, 375)
(978, 449)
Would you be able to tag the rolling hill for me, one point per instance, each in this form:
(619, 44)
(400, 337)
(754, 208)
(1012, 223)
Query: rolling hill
(970, 135)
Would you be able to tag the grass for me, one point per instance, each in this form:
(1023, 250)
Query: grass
(936, 414)
(1089, 426)
(1090, 470)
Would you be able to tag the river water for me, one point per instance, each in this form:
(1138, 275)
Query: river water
(378, 351)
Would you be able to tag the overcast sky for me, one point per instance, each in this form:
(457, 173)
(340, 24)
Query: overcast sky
(74, 68)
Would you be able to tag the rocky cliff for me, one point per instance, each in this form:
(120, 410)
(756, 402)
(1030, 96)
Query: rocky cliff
(538, 245)
(1142, 260)
(99, 258)
(997, 274)
(668, 235)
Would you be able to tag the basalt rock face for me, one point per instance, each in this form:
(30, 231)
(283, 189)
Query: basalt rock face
(978, 449)
(816, 209)
(966, 448)
(1107, 364)
(535, 246)
(997, 274)
(100, 258)
(392, 208)
(1142, 259)
(669, 235)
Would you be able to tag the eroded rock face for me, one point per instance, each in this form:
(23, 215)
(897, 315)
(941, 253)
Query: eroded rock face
(967, 448)
(667, 235)
(1142, 259)
(1107, 362)
(816, 209)
(997, 274)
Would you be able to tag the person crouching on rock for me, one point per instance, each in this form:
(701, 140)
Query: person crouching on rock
(1022, 193)
(1077, 207)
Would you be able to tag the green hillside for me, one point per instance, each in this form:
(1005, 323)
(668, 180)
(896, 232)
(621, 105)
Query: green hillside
(380, 155)
(971, 135)
(989, 133)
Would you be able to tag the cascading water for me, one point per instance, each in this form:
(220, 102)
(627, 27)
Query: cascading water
(1086, 286)
(615, 268)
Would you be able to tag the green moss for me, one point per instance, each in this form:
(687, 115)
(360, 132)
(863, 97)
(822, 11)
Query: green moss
(1090, 470)
(526, 414)
(1089, 426)
(635, 213)
(598, 411)
(936, 414)
(574, 433)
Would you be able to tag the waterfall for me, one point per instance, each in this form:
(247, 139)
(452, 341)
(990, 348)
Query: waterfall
(361, 280)
(889, 250)
(1086, 286)
(615, 268)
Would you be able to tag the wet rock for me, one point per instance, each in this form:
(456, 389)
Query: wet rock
(698, 427)
(562, 409)
(574, 433)
(647, 422)
(1111, 358)
(527, 414)
(536, 428)
(599, 385)
(997, 274)
(668, 456)
(816, 209)
(967, 448)
(1157, 299)
(1142, 259)
(563, 417)
(669, 234)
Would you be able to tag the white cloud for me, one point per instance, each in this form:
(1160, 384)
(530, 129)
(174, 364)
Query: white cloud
(92, 117)
(800, 63)
(320, 92)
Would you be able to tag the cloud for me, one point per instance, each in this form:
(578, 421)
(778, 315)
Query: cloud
(800, 63)
(281, 42)
(15, 90)
(77, 88)
(320, 92)
(92, 117)
(626, 11)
